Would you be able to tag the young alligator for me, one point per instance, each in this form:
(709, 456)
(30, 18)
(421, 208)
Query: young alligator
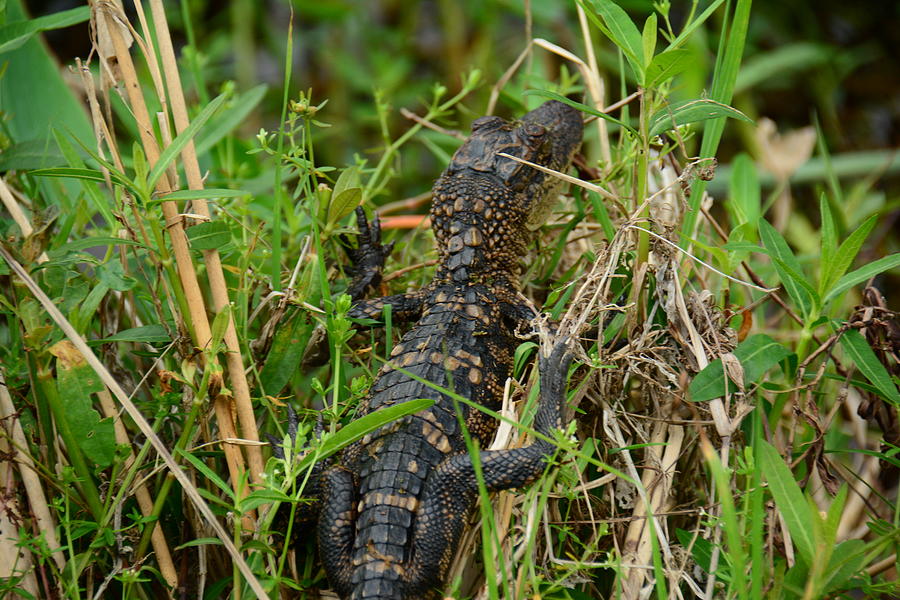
(394, 505)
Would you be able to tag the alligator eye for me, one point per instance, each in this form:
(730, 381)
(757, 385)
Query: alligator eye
(534, 130)
(486, 122)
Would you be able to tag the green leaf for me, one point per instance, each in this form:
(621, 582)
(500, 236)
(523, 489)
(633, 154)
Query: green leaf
(789, 500)
(210, 194)
(207, 541)
(211, 475)
(13, 35)
(356, 429)
(728, 62)
(346, 196)
(863, 273)
(744, 202)
(148, 334)
(829, 243)
(211, 235)
(90, 188)
(701, 550)
(693, 25)
(523, 353)
(88, 175)
(848, 559)
(288, 345)
(691, 111)
(847, 252)
(88, 308)
(667, 65)
(260, 497)
(757, 354)
(787, 266)
(113, 274)
(77, 381)
(856, 347)
(582, 107)
(799, 282)
(93, 242)
(648, 39)
(179, 143)
(622, 31)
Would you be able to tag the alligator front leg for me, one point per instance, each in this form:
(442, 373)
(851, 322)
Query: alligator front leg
(368, 257)
(452, 488)
(337, 527)
(368, 268)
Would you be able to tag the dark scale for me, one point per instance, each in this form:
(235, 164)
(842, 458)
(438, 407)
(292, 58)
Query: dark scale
(394, 504)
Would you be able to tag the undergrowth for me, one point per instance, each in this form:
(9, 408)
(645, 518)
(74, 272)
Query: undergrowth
(165, 279)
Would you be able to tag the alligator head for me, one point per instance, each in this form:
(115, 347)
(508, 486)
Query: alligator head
(486, 204)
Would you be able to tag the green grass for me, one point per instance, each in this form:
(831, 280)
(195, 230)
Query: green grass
(716, 448)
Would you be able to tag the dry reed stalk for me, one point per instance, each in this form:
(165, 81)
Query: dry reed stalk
(175, 226)
(37, 501)
(189, 488)
(15, 559)
(655, 487)
(239, 386)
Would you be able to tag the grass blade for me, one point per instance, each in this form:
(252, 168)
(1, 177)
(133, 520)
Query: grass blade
(789, 499)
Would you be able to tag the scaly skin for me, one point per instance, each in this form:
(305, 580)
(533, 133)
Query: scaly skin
(394, 504)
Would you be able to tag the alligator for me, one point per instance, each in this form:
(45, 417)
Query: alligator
(394, 504)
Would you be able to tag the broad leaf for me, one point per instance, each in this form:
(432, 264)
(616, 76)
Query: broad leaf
(77, 382)
(757, 354)
(209, 236)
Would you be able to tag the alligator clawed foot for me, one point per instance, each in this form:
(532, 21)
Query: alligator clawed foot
(293, 422)
(368, 257)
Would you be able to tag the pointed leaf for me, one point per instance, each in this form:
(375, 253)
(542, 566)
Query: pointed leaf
(582, 107)
(787, 266)
(691, 111)
(667, 65)
(863, 273)
(623, 32)
(829, 243)
(211, 475)
(13, 35)
(789, 500)
(745, 199)
(848, 250)
(858, 349)
(179, 143)
(648, 39)
(147, 334)
(356, 429)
